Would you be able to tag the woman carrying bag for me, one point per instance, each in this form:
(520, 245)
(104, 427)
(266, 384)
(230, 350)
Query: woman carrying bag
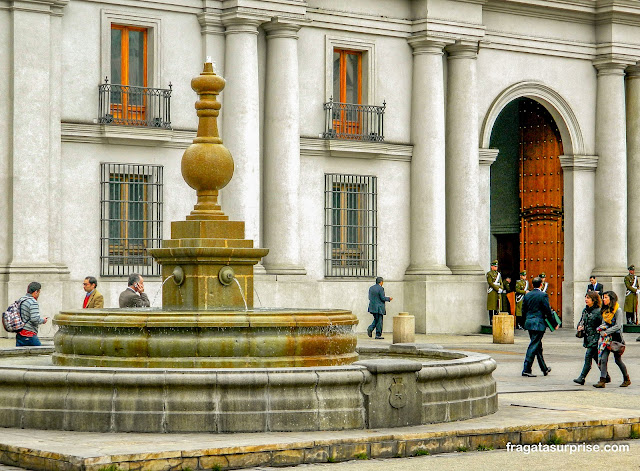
(611, 339)
(588, 330)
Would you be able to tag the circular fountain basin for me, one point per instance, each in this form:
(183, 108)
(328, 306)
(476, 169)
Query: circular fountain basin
(426, 386)
(258, 338)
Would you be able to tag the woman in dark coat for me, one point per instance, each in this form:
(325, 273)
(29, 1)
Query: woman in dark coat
(611, 330)
(589, 323)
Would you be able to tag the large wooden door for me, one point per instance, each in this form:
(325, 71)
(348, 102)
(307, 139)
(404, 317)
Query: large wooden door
(541, 202)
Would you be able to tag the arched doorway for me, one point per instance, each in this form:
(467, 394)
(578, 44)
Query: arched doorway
(527, 210)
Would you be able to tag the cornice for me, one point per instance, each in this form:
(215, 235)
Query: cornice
(51, 7)
(487, 156)
(587, 163)
(507, 41)
(574, 11)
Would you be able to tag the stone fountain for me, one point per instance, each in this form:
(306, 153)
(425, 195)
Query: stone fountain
(209, 362)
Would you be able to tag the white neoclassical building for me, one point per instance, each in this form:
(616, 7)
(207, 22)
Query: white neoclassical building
(411, 139)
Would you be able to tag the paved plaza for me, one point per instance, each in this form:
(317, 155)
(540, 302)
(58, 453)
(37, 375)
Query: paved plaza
(550, 408)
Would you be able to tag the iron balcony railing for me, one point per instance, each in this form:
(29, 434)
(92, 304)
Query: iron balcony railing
(134, 106)
(354, 122)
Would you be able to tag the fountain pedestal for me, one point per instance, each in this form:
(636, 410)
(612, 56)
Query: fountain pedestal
(207, 254)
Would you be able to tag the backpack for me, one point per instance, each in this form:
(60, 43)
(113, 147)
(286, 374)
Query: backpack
(11, 318)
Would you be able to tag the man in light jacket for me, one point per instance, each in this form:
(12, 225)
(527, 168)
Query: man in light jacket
(30, 313)
(376, 307)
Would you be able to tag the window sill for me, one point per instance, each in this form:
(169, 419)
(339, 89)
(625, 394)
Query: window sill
(128, 135)
(355, 149)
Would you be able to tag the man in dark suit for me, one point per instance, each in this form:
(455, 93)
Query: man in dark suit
(134, 295)
(535, 309)
(595, 286)
(376, 307)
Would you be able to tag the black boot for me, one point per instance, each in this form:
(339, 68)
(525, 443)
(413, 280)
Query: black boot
(579, 380)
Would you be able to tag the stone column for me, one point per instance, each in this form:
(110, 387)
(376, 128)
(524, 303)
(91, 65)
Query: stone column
(633, 164)
(579, 234)
(462, 167)
(428, 219)
(241, 134)
(282, 150)
(611, 175)
(487, 157)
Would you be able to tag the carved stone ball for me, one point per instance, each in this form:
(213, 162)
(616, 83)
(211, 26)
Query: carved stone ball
(207, 166)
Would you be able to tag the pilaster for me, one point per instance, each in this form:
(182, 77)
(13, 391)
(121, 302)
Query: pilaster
(462, 168)
(611, 175)
(428, 210)
(282, 149)
(486, 158)
(633, 163)
(241, 133)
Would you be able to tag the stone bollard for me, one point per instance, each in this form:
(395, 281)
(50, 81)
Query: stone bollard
(404, 328)
(503, 325)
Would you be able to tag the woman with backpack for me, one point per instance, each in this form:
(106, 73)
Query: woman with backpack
(589, 322)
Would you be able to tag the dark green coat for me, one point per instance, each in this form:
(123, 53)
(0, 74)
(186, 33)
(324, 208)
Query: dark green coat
(631, 295)
(494, 284)
(521, 288)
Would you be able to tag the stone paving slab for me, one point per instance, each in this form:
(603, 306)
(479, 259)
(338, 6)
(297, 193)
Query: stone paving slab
(520, 420)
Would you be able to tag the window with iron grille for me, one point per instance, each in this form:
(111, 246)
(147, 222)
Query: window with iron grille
(131, 218)
(350, 225)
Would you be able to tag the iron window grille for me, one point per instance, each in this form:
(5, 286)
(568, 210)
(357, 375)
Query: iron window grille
(131, 218)
(354, 122)
(350, 225)
(129, 105)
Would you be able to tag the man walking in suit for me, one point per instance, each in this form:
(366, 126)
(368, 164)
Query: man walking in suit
(631, 295)
(376, 307)
(595, 286)
(535, 309)
(93, 298)
(134, 295)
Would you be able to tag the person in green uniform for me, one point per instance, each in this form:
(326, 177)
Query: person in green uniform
(631, 295)
(494, 290)
(522, 288)
(505, 306)
(545, 285)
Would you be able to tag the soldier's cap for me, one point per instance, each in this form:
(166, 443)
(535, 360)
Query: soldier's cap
(631, 267)
(542, 275)
(523, 273)
(494, 263)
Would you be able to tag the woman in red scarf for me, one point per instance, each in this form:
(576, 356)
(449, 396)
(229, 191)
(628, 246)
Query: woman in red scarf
(610, 330)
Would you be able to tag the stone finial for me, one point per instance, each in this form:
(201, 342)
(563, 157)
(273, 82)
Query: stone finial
(207, 165)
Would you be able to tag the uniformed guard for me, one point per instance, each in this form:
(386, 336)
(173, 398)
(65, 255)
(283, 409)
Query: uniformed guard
(505, 306)
(631, 295)
(522, 288)
(545, 285)
(494, 290)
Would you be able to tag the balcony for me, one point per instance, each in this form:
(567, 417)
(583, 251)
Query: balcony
(353, 122)
(128, 105)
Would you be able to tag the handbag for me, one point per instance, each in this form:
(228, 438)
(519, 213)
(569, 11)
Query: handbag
(580, 333)
(617, 347)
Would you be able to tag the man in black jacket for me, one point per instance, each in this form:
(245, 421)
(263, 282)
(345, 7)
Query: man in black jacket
(595, 286)
(535, 309)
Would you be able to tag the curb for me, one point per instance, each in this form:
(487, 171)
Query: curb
(392, 445)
